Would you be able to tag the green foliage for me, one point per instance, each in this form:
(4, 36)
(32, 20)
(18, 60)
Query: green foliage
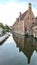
(7, 28)
(1, 25)
(4, 31)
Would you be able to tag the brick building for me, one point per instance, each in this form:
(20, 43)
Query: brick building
(24, 22)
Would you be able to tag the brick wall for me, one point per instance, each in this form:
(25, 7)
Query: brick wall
(26, 22)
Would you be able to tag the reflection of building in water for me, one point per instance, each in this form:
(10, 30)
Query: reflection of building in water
(25, 45)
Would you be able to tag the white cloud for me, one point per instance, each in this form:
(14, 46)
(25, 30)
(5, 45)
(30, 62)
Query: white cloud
(10, 11)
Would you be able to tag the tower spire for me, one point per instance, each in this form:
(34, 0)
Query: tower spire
(30, 6)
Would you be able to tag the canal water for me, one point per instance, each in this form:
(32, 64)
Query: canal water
(18, 50)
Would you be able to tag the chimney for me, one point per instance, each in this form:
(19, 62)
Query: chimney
(20, 13)
(30, 6)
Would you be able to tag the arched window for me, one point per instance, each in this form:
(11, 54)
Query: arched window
(33, 23)
(25, 28)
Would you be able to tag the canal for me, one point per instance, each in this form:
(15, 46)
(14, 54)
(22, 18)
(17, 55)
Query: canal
(18, 50)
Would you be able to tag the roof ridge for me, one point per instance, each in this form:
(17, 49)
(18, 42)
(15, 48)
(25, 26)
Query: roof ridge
(23, 15)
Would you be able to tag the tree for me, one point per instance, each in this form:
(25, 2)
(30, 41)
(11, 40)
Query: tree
(1, 25)
(7, 28)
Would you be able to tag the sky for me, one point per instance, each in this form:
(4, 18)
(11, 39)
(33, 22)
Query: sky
(9, 9)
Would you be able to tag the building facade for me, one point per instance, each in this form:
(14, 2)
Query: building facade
(24, 22)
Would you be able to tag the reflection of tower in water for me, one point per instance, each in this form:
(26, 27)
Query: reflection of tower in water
(25, 45)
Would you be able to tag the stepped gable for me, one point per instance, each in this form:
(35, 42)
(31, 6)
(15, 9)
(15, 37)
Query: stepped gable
(23, 15)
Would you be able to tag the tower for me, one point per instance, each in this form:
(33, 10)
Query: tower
(30, 6)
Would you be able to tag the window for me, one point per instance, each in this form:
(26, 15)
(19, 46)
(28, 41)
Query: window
(36, 28)
(25, 28)
(28, 17)
(33, 23)
(32, 18)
